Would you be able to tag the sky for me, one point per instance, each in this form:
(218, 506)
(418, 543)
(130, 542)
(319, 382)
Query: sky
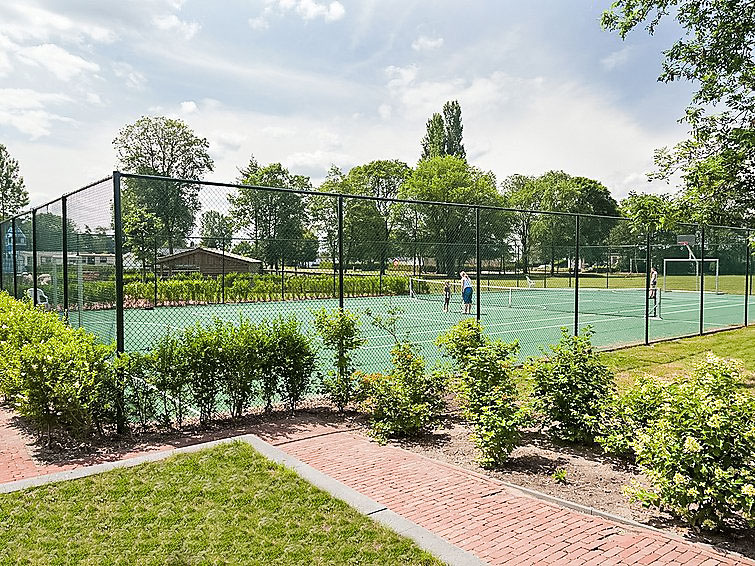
(315, 83)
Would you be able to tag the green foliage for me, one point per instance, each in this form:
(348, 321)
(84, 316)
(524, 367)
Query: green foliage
(699, 453)
(248, 360)
(630, 412)
(405, 402)
(293, 359)
(166, 147)
(339, 330)
(216, 230)
(13, 194)
(560, 476)
(571, 387)
(487, 392)
(169, 379)
(201, 358)
(134, 389)
(52, 374)
(461, 341)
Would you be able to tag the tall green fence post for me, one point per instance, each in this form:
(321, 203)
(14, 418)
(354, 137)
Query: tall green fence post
(702, 279)
(748, 254)
(576, 275)
(647, 288)
(34, 255)
(478, 259)
(118, 225)
(64, 215)
(340, 252)
(13, 229)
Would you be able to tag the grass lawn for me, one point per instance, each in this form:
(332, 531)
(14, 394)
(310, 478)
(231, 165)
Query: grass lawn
(668, 359)
(228, 505)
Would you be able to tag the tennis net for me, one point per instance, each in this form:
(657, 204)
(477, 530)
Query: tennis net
(609, 302)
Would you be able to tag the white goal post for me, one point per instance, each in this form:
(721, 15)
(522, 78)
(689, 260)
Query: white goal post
(697, 263)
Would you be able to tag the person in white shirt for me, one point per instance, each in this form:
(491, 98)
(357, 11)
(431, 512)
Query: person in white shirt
(466, 292)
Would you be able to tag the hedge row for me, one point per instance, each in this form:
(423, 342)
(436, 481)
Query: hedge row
(62, 379)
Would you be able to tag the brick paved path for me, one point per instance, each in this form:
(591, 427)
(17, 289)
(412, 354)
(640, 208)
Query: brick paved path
(478, 513)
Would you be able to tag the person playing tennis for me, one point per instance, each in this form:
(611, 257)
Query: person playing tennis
(466, 292)
(446, 295)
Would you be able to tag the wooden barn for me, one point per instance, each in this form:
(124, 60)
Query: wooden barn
(208, 261)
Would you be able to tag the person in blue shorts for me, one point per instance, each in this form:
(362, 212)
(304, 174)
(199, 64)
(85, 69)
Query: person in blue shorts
(466, 292)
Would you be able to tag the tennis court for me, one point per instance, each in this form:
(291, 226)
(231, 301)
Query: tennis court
(533, 316)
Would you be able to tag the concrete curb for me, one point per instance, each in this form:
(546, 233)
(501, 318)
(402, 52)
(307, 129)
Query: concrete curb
(425, 539)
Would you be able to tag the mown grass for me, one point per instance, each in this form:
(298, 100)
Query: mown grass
(228, 505)
(678, 357)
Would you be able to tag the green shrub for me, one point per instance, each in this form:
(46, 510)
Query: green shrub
(293, 361)
(405, 402)
(629, 413)
(571, 387)
(339, 330)
(462, 341)
(247, 359)
(170, 380)
(699, 454)
(488, 399)
(202, 360)
(133, 379)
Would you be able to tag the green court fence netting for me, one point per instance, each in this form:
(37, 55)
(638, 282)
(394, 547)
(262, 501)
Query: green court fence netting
(132, 258)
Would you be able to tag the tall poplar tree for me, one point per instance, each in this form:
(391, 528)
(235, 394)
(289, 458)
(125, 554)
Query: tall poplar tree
(444, 133)
(434, 142)
(13, 194)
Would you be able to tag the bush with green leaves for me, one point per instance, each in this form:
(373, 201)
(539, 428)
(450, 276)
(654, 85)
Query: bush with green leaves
(294, 359)
(132, 388)
(462, 341)
(487, 392)
(699, 454)
(405, 402)
(170, 380)
(571, 387)
(339, 330)
(630, 412)
(248, 360)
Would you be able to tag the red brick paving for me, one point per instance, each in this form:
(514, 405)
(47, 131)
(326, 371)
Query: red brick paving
(472, 511)
(481, 514)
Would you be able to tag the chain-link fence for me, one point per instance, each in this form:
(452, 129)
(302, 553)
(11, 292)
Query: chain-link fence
(135, 258)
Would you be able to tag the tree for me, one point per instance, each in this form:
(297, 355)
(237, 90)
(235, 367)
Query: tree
(652, 213)
(444, 133)
(371, 222)
(449, 231)
(323, 212)
(140, 229)
(717, 53)
(216, 230)
(523, 192)
(434, 142)
(453, 129)
(164, 147)
(274, 219)
(13, 194)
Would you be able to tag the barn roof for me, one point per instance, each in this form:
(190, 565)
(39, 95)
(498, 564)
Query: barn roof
(211, 251)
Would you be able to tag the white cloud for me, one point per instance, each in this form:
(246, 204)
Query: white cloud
(310, 9)
(385, 111)
(24, 22)
(226, 141)
(58, 61)
(93, 98)
(616, 59)
(399, 77)
(189, 107)
(259, 23)
(171, 22)
(131, 77)
(26, 111)
(424, 43)
(277, 132)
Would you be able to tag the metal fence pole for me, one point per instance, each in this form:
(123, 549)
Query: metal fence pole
(15, 260)
(647, 289)
(118, 225)
(748, 253)
(222, 267)
(154, 274)
(34, 255)
(576, 276)
(702, 278)
(340, 252)
(478, 259)
(64, 215)
(2, 258)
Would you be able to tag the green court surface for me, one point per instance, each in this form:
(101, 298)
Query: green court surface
(533, 317)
